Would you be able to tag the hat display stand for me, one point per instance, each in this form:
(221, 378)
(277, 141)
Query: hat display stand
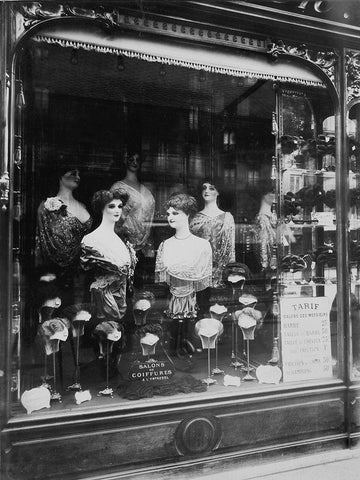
(237, 283)
(43, 318)
(217, 312)
(46, 377)
(148, 345)
(76, 386)
(141, 310)
(208, 330)
(54, 394)
(247, 326)
(250, 301)
(53, 332)
(78, 316)
(108, 333)
(107, 391)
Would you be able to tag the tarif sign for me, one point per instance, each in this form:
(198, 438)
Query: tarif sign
(305, 338)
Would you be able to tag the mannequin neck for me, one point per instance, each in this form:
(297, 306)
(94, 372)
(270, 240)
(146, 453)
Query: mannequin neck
(66, 195)
(211, 208)
(131, 178)
(106, 226)
(182, 232)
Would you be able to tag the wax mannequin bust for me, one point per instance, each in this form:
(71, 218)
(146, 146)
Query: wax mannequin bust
(216, 226)
(110, 259)
(266, 225)
(138, 213)
(183, 261)
(62, 222)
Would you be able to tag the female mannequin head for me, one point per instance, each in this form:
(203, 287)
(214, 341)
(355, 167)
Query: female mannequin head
(109, 204)
(69, 179)
(179, 208)
(209, 191)
(132, 162)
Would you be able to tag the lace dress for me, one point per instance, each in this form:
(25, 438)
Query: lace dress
(137, 216)
(220, 232)
(265, 238)
(186, 266)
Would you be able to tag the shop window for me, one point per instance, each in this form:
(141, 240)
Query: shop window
(353, 149)
(171, 240)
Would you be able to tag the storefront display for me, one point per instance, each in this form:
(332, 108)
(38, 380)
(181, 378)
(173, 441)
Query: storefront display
(223, 158)
(178, 234)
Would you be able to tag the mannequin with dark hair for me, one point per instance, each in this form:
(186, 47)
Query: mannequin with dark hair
(216, 226)
(111, 260)
(62, 222)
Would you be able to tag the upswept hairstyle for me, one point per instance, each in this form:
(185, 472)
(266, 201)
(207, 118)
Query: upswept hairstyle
(184, 202)
(103, 197)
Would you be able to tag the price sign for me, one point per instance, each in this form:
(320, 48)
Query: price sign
(305, 338)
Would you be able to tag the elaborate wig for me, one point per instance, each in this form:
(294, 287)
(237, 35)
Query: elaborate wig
(183, 202)
(103, 197)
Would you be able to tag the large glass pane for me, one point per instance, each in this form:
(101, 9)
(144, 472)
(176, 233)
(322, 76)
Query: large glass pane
(354, 238)
(220, 186)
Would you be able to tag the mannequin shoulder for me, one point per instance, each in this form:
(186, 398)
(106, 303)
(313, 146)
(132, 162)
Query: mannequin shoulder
(118, 184)
(200, 242)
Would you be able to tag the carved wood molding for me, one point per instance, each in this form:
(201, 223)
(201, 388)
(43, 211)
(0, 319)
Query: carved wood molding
(325, 59)
(115, 18)
(352, 66)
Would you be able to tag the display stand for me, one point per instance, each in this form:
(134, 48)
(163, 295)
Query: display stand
(237, 283)
(248, 327)
(76, 386)
(54, 394)
(217, 312)
(107, 391)
(208, 330)
(148, 345)
(46, 376)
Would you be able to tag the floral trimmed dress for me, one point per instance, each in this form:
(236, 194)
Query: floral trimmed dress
(58, 240)
(186, 266)
(59, 234)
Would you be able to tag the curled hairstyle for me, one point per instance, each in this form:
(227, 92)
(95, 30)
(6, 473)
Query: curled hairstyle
(103, 197)
(183, 202)
(54, 325)
(103, 329)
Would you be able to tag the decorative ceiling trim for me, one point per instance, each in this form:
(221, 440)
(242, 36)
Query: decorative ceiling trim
(35, 14)
(326, 60)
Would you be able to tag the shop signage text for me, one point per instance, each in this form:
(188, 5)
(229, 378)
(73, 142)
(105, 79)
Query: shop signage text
(305, 338)
(151, 371)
